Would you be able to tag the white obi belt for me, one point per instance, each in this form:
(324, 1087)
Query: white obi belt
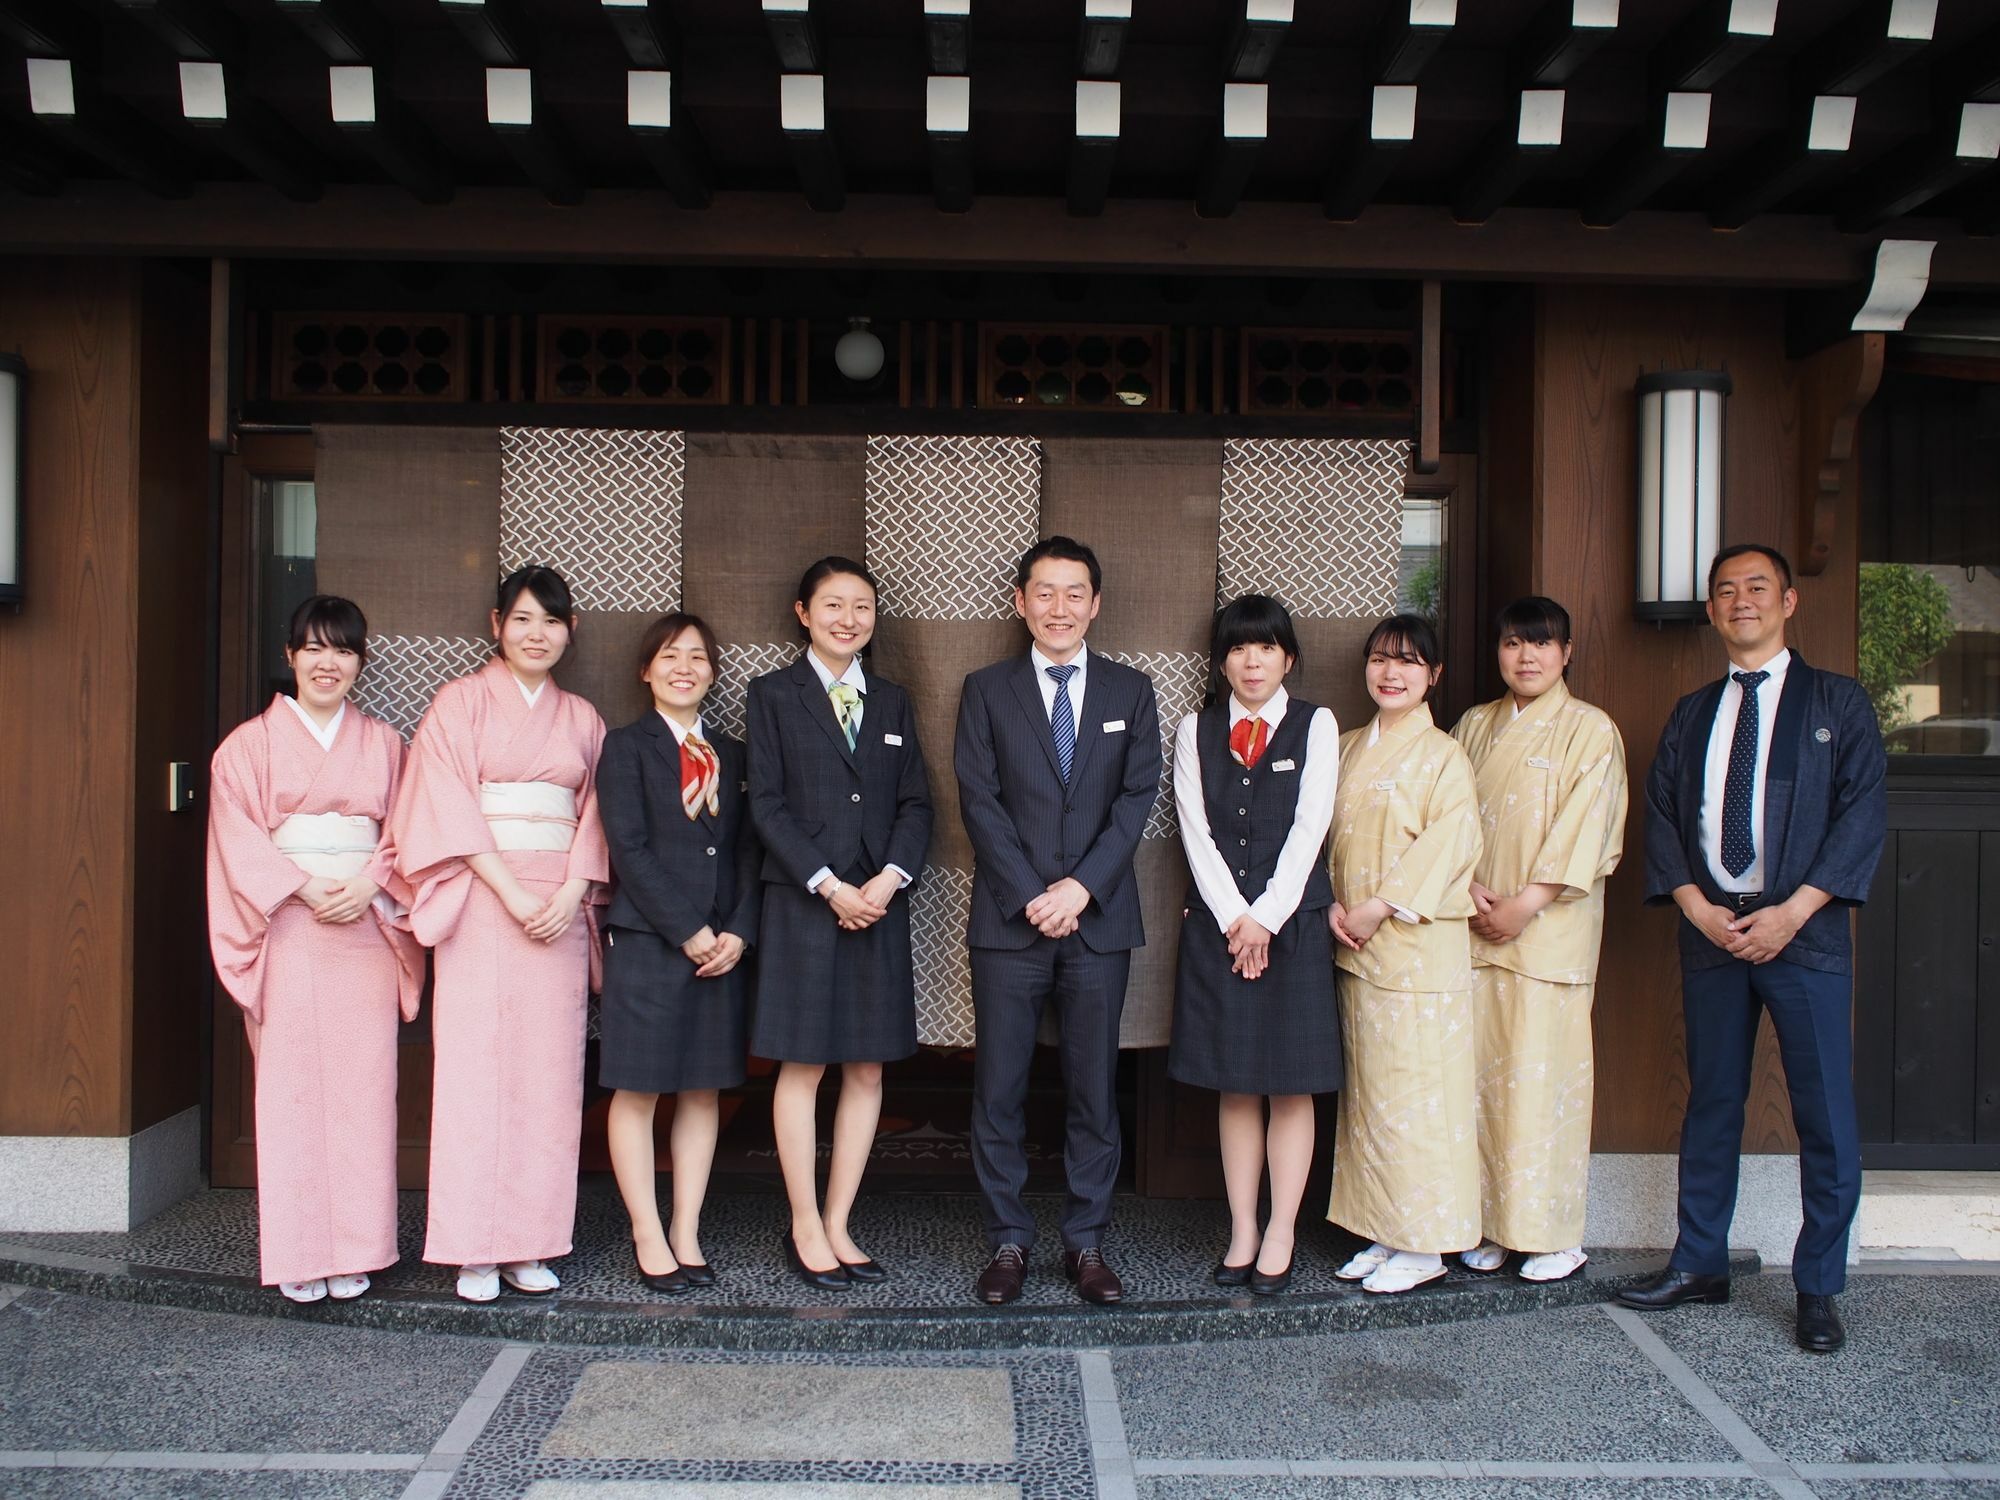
(529, 814)
(335, 846)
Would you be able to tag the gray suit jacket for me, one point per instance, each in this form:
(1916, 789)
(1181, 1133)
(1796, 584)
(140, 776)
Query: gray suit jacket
(1028, 830)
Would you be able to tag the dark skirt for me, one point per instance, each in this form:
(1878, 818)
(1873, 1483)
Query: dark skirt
(1276, 1034)
(826, 995)
(663, 1030)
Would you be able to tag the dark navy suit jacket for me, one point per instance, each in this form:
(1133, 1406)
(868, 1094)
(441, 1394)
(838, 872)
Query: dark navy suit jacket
(676, 874)
(1825, 810)
(1028, 830)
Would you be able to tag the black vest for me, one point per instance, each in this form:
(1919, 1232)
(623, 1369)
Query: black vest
(1250, 812)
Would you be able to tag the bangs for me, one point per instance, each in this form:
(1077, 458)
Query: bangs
(1253, 620)
(1405, 637)
(1536, 620)
(331, 620)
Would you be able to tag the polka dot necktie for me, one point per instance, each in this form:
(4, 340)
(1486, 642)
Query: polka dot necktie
(1739, 848)
(1062, 719)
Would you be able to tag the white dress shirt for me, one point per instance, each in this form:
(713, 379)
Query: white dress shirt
(325, 736)
(1081, 661)
(1715, 774)
(854, 679)
(1319, 776)
(680, 734)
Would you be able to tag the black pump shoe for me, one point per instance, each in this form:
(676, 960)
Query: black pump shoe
(867, 1271)
(836, 1280)
(1276, 1282)
(673, 1283)
(1232, 1276)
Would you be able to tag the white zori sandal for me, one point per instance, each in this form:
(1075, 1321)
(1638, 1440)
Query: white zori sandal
(1404, 1270)
(529, 1277)
(303, 1291)
(346, 1288)
(1365, 1263)
(1486, 1257)
(478, 1283)
(1553, 1266)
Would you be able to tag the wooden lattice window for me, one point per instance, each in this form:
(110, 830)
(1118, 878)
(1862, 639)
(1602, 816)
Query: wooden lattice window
(319, 356)
(1309, 370)
(648, 361)
(1074, 366)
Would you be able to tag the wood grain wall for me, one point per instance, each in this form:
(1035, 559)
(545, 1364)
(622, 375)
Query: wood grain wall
(1586, 347)
(100, 415)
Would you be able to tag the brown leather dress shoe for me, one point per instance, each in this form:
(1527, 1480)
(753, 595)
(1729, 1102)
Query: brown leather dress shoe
(1095, 1281)
(1002, 1278)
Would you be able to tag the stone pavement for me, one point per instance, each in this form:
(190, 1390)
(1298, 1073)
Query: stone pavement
(102, 1398)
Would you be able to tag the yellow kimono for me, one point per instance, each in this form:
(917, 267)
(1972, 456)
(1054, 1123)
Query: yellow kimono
(1406, 828)
(1552, 802)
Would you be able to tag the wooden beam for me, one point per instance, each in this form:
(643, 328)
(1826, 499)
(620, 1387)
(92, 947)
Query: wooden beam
(1678, 134)
(671, 145)
(1100, 41)
(364, 111)
(1430, 366)
(948, 126)
(225, 354)
(948, 35)
(1835, 385)
(794, 36)
(1769, 173)
(1562, 37)
(1865, 45)
(1233, 157)
(193, 30)
(1509, 158)
(1094, 150)
(345, 31)
(1256, 36)
(1370, 155)
(215, 101)
(1712, 43)
(1409, 36)
(43, 29)
(815, 157)
(514, 109)
(1908, 178)
(645, 30)
(67, 104)
(493, 29)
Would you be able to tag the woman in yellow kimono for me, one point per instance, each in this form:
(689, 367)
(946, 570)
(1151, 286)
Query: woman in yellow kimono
(1551, 781)
(1405, 842)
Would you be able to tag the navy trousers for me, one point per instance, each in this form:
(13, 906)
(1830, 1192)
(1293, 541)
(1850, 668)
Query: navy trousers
(1811, 1012)
(1010, 987)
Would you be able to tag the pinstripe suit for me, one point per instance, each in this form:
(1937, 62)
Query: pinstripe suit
(823, 994)
(1029, 830)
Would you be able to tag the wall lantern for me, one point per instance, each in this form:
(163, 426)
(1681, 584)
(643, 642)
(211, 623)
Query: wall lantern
(858, 354)
(13, 474)
(1680, 490)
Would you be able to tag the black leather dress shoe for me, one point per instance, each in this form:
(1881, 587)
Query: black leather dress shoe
(1269, 1286)
(1671, 1288)
(1819, 1327)
(864, 1270)
(672, 1283)
(1094, 1280)
(698, 1275)
(835, 1280)
(1002, 1278)
(1227, 1275)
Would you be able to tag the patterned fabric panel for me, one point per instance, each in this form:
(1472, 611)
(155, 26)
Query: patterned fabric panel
(947, 519)
(1180, 682)
(601, 506)
(404, 671)
(940, 907)
(1317, 522)
(723, 707)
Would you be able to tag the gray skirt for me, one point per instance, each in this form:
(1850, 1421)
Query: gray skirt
(825, 995)
(1276, 1034)
(663, 1030)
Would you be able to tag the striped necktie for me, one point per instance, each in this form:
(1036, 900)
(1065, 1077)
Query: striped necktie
(701, 770)
(1062, 719)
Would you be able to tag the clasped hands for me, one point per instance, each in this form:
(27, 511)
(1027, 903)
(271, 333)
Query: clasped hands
(859, 906)
(545, 921)
(1500, 919)
(713, 954)
(338, 901)
(1249, 946)
(1056, 912)
(1755, 937)
(1352, 929)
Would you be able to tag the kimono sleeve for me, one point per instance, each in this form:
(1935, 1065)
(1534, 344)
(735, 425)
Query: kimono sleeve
(1433, 877)
(248, 879)
(589, 853)
(436, 820)
(1587, 837)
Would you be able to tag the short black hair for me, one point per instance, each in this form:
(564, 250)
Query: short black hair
(1410, 637)
(669, 628)
(1743, 549)
(546, 584)
(1536, 619)
(1067, 549)
(1253, 620)
(329, 618)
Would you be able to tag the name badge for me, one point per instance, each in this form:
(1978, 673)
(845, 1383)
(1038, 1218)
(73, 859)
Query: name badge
(1113, 726)
(1383, 786)
(1284, 765)
(892, 739)
(1541, 762)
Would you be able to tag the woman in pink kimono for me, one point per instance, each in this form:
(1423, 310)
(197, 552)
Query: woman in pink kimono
(301, 923)
(497, 833)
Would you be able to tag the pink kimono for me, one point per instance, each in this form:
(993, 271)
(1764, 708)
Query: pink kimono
(488, 774)
(319, 1000)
